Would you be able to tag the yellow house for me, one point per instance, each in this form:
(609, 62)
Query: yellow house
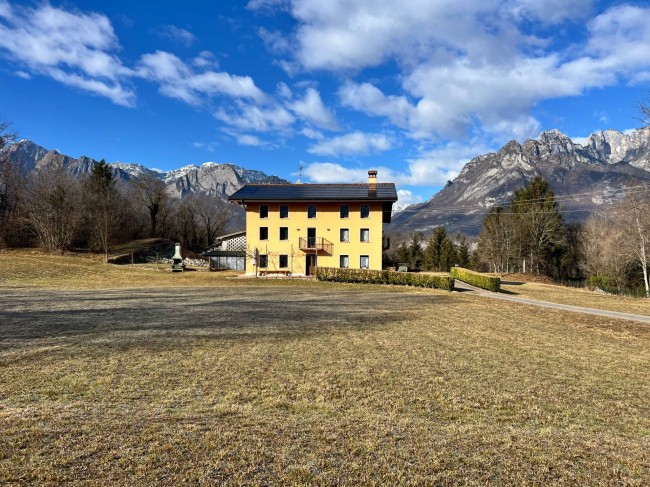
(292, 228)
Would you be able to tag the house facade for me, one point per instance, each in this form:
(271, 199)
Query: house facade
(292, 228)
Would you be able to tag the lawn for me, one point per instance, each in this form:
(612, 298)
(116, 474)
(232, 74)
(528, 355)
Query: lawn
(555, 293)
(291, 382)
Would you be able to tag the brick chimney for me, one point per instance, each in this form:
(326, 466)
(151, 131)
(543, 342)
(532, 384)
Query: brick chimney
(372, 183)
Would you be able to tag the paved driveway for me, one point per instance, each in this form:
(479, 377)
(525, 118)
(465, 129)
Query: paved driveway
(469, 289)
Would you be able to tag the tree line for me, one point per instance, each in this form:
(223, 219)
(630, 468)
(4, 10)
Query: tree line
(57, 211)
(610, 249)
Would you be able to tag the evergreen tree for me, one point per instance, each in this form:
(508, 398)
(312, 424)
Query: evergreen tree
(415, 250)
(463, 254)
(102, 206)
(403, 253)
(434, 252)
(538, 223)
(475, 263)
(448, 255)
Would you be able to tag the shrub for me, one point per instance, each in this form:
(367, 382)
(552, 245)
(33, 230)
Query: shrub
(476, 279)
(603, 283)
(384, 277)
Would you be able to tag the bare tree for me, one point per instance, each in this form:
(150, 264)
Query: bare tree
(11, 184)
(153, 195)
(643, 106)
(214, 215)
(53, 208)
(496, 241)
(633, 217)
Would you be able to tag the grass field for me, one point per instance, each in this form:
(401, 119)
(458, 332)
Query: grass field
(293, 382)
(554, 293)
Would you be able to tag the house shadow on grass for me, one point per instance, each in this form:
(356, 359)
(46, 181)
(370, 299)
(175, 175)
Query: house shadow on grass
(157, 318)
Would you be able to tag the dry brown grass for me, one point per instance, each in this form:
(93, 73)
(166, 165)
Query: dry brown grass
(554, 293)
(36, 269)
(294, 383)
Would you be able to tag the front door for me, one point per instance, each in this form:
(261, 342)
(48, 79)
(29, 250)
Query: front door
(311, 238)
(311, 264)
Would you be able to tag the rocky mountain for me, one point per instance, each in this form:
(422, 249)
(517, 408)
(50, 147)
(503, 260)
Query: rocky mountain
(209, 178)
(584, 177)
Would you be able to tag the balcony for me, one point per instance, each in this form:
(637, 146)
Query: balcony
(315, 245)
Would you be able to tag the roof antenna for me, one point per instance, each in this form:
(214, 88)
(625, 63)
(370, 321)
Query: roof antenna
(300, 176)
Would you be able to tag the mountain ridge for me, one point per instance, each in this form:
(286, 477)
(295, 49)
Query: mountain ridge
(211, 178)
(606, 163)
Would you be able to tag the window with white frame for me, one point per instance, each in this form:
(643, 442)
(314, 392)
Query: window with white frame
(284, 261)
(284, 233)
(344, 261)
(364, 262)
(344, 211)
(345, 235)
(264, 233)
(264, 211)
(284, 211)
(365, 211)
(364, 235)
(311, 211)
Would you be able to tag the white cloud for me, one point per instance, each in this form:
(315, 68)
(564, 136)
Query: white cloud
(352, 143)
(579, 140)
(469, 66)
(311, 133)
(406, 197)
(178, 80)
(258, 119)
(311, 109)
(274, 40)
(205, 59)
(72, 47)
(247, 139)
(181, 35)
(283, 90)
(327, 172)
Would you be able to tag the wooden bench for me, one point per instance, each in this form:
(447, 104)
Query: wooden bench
(266, 272)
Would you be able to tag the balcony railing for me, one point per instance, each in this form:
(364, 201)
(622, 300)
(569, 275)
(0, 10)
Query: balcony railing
(315, 244)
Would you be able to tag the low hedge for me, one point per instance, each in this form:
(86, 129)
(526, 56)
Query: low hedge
(476, 279)
(384, 277)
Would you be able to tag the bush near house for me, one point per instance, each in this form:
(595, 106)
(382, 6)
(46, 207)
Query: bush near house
(476, 279)
(384, 277)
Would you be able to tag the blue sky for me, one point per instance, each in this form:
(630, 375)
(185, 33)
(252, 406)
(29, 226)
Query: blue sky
(414, 89)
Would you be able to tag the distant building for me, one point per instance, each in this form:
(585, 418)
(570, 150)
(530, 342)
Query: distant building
(228, 252)
(292, 228)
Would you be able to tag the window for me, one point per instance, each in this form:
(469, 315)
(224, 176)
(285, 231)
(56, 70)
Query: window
(311, 211)
(264, 211)
(364, 262)
(345, 211)
(264, 233)
(284, 261)
(284, 211)
(345, 234)
(264, 260)
(344, 261)
(365, 211)
(284, 233)
(365, 235)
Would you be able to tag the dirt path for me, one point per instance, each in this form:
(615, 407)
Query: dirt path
(469, 289)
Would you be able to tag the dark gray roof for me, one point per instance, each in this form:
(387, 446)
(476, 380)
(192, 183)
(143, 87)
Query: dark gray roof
(225, 253)
(316, 192)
